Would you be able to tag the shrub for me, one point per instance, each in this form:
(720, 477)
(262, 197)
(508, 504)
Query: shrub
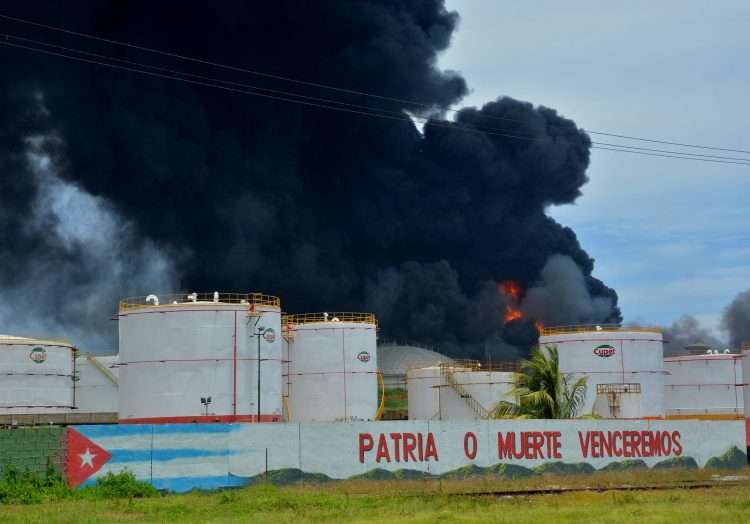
(119, 485)
(24, 487)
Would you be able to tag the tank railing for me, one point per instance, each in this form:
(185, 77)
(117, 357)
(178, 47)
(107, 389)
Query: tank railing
(346, 316)
(467, 365)
(447, 372)
(562, 330)
(186, 299)
(745, 346)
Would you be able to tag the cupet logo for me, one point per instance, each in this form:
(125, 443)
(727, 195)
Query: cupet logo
(604, 351)
(363, 356)
(269, 335)
(38, 355)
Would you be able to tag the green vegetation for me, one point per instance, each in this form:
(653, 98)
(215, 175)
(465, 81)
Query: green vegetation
(416, 501)
(396, 399)
(541, 391)
(26, 487)
(396, 404)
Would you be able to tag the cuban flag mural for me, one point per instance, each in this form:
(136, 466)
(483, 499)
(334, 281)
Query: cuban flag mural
(172, 457)
(182, 457)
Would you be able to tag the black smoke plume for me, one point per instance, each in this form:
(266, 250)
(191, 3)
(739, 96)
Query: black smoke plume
(736, 320)
(329, 210)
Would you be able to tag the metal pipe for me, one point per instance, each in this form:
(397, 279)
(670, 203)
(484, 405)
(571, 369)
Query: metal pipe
(259, 334)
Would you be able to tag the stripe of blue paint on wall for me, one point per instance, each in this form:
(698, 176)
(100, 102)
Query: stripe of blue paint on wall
(185, 484)
(163, 455)
(154, 429)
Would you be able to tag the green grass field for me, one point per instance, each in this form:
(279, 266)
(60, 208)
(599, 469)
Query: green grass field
(419, 502)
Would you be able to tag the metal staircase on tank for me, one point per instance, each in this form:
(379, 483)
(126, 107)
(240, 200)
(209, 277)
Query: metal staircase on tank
(446, 370)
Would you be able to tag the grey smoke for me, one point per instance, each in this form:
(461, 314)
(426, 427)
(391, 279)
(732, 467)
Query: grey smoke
(736, 319)
(687, 330)
(562, 297)
(82, 257)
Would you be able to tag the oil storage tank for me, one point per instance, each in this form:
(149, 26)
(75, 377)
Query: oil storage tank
(36, 375)
(624, 367)
(96, 384)
(457, 389)
(746, 383)
(213, 357)
(331, 368)
(704, 384)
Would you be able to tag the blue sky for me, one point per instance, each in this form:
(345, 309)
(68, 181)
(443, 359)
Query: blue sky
(669, 235)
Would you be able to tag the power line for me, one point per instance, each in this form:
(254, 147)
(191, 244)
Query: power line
(670, 156)
(331, 87)
(400, 114)
(369, 112)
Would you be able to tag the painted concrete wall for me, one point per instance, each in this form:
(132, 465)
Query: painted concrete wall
(181, 457)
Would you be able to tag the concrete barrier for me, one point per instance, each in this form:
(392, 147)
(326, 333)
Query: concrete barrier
(181, 457)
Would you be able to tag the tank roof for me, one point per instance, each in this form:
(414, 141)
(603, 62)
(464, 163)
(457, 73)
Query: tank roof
(193, 299)
(9, 340)
(395, 359)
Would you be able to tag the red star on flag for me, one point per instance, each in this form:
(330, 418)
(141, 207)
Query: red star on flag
(84, 458)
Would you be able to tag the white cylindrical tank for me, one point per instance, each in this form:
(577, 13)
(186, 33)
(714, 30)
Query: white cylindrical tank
(704, 386)
(36, 375)
(457, 390)
(96, 384)
(332, 371)
(746, 387)
(423, 389)
(212, 357)
(624, 367)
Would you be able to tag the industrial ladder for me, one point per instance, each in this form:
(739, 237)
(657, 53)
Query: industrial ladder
(462, 392)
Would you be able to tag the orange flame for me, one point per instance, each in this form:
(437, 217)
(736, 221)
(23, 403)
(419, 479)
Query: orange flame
(512, 289)
(511, 313)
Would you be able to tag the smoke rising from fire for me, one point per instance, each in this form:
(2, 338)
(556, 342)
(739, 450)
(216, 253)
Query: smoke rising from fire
(684, 331)
(736, 319)
(66, 253)
(330, 211)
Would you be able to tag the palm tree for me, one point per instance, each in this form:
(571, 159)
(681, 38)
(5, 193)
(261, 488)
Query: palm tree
(541, 391)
